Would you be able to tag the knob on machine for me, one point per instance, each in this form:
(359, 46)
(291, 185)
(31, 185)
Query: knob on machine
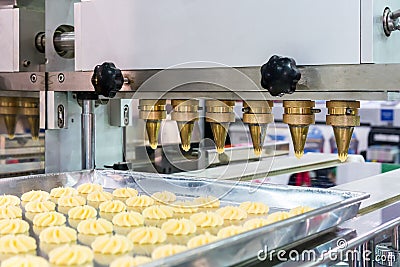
(107, 80)
(280, 75)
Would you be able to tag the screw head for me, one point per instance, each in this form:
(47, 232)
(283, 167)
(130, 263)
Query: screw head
(61, 78)
(33, 78)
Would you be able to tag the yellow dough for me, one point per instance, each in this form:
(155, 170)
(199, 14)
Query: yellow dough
(207, 219)
(167, 250)
(128, 219)
(184, 207)
(58, 235)
(201, 240)
(164, 197)
(71, 201)
(129, 261)
(88, 188)
(139, 201)
(299, 210)
(147, 235)
(278, 216)
(232, 213)
(230, 231)
(207, 202)
(10, 212)
(254, 207)
(117, 244)
(25, 261)
(125, 192)
(71, 255)
(9, 200)
(82, 212)
(158, 212)
(40, 206)
(95, 227)
(13, 226)
(51, 218)
(35, 195)
(255, 223)
(179, 227)
(63, 191)
(14, 244)
(112, 206)
(99, 196)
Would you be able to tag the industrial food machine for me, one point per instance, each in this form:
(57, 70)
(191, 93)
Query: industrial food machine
(98, 82)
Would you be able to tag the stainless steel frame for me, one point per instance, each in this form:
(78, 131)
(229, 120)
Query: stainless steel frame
(329, 82)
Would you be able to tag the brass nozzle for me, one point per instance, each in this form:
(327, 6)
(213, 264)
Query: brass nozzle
(220, 115)
(185, 113)
(153, 112)
(9, 111)
(29, 108)
(299, 115)
(343, 116)
(257, 114)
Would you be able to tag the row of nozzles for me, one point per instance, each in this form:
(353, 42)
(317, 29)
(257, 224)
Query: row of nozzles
(13, 107)
(342, 116)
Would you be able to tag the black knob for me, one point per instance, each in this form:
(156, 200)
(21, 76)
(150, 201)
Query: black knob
(280, 75)
(107, 80)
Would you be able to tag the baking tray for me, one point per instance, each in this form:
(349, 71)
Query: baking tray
(332, 207)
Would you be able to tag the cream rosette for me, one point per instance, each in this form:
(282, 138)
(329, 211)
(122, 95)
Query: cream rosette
(167, 250)
(71, 255)
(139, 203)
(201, 240)
(209, 222)
(146, 239)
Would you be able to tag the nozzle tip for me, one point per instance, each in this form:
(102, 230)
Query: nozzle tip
(299, 154)
(185, 147)
(342, 157)
(11, 136)
(220, 150)
(154, 145)
(35, 138)
(257, 152)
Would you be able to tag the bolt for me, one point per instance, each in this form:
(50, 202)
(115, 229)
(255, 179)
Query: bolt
(61, 78)
(33, 78)
(26, 63)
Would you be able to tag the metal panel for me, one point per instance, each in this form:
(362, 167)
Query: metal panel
(60, 12)
(376, 47)
(358, 82)
(152, 34)
(9, 39)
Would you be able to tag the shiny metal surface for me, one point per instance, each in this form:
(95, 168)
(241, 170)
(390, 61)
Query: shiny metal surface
(328, 82)
(88, 135)
(332, 207)
(64, 41)
(22, 81)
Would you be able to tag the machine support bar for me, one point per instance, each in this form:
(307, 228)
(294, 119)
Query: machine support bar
(88, 135)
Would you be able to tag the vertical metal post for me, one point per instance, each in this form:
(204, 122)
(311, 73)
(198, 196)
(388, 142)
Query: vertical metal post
(88, 135)
(396, 238)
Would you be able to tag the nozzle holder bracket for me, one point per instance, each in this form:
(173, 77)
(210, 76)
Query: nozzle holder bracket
(343, 113)
(185, 110)
(258, 112)
(220, 111)
(152, 109)
(299, 112)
